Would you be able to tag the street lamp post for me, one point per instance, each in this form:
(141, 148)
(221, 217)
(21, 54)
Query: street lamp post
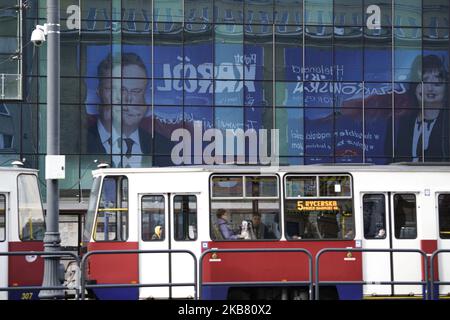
(52, 239)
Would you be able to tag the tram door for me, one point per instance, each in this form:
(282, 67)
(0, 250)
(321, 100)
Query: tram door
(154, 235)
(184, 236)
(443, 259)
(168, 222)
(3, 245)
(390, 221)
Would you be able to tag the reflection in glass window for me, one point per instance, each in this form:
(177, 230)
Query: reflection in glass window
(261, 186)
(408, 13)
(288, 53)
(435, 13)
(405, 216)
(229, 52)
(226, 11)
(408, 47)
(299, 187)
(444, 216)
(374, 216)
(348, 132)
(112, 213)
(335, 186)
(348, 13)
(258, 11)
(258, 52)
(319, 220)
(288, 12)
(378, 54)
(227, 187)
(290, 123)
(166, 120)
(198, 11)
(229, 118)
(319, 53)
(319, 130)
(185, 215)
(319, 12)
(2, 217)
(31, 216)
(168, 10)
(289, 94)
(153, 218)
(348, 53)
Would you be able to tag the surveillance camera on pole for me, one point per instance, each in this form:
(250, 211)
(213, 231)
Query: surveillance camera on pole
(38, 35)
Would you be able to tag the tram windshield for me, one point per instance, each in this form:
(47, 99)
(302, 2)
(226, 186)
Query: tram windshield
(90, 215)
(111, 223)
(31, 215)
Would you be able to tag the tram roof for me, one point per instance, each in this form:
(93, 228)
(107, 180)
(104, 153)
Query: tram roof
(17, 169)
(316, 168)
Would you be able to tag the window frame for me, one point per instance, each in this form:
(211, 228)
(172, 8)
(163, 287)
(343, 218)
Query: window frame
(97, 211)
(5, 209)
(18, 219)
(163, 197)
(244, 197)
(175, 219)
(240, 174)
(385, 218)
(317, 176)
(349, 198)
(395, 219)
(439, 215)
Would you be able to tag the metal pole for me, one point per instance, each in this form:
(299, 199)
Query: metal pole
(52, 238)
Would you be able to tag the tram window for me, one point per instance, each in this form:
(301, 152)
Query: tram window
(255, 216)
(444, 216)
(246, 219)
(90, 215)
(374, 215)
(112, 216)
(185, 215)
(227, 186)
(334, 186)
(260, 186)
(299, 187)
(153, 218)
(405, 216)
(319, 220)
(31, 217)
(2, 217)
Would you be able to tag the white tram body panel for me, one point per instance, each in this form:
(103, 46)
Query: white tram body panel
(405, 196)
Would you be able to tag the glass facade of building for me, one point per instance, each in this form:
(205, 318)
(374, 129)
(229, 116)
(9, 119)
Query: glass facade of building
(344, 81)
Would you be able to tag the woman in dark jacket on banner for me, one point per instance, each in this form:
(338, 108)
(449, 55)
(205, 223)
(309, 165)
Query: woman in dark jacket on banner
(424, 129)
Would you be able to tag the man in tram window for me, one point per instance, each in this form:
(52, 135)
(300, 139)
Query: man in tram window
(223, 216)
(260, 230)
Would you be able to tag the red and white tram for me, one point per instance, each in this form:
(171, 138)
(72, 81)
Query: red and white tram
(310, 207)
(22, 228)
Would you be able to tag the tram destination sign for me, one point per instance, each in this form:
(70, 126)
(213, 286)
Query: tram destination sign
(311, 205)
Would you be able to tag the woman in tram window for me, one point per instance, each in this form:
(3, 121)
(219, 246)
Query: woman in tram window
(223, 216)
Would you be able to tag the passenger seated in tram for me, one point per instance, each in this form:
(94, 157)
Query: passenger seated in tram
(159, 233)
(225, 231)
(260, 230)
